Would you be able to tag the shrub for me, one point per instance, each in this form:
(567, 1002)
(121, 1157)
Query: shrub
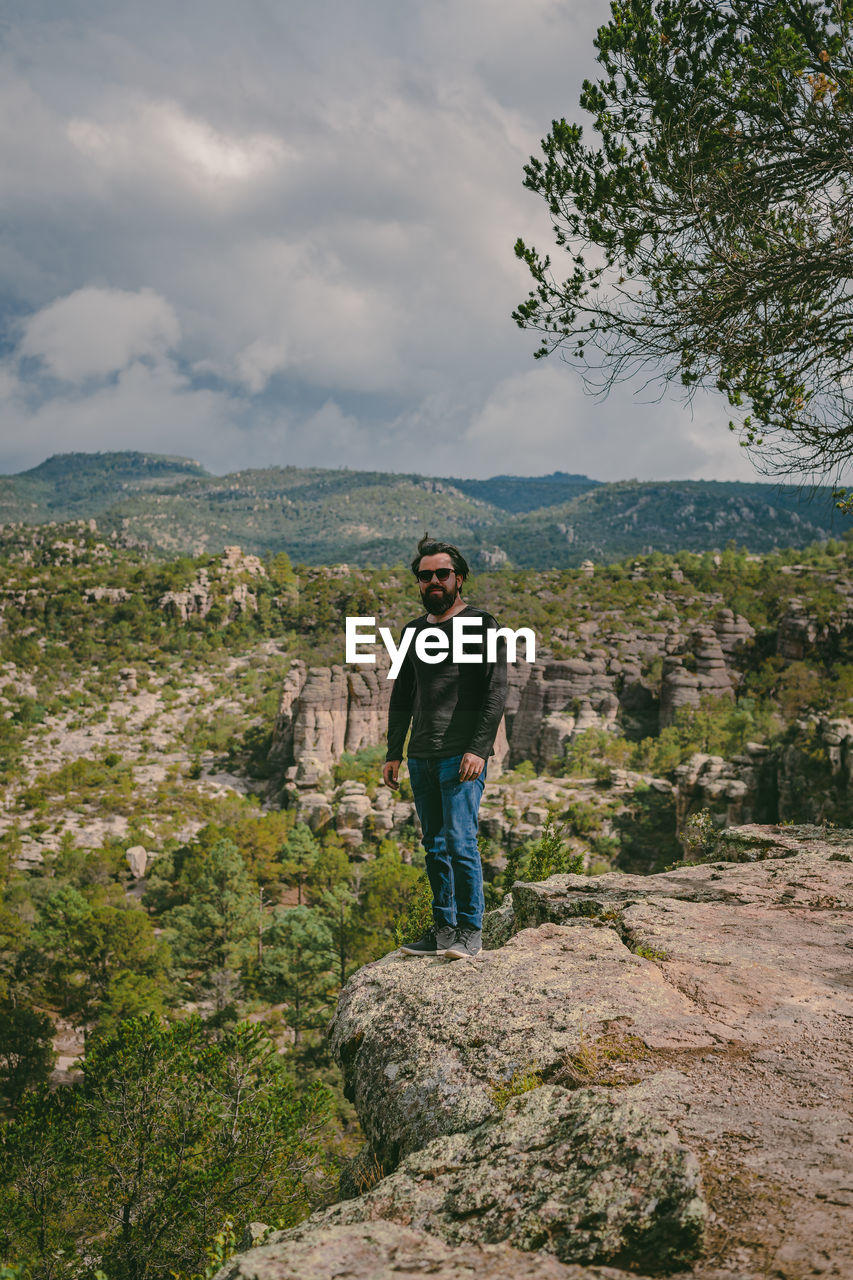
(550, 854)
(417, 917)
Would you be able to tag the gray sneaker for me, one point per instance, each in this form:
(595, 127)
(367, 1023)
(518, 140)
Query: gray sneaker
(468, 943)
(434, 943)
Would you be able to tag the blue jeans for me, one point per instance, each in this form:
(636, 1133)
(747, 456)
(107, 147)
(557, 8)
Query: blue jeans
(448, 810)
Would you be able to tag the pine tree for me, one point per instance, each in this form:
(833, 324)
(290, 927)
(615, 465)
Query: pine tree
(298, 969)
(299, 857)
(211, 935)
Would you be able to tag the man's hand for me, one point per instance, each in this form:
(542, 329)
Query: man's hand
(390, 769)
(471, 767)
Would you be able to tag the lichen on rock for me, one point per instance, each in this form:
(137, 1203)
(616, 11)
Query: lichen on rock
(388, 1251)
(582, 1175)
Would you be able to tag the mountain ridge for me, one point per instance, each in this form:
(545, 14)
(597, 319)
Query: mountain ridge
(172, 505)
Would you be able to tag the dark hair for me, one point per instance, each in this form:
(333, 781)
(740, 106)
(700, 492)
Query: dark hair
(429, 547)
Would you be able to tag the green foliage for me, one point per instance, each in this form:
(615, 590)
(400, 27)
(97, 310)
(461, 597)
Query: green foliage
(298, 967)
(521, 1081)
(583, 819)
(82, 780)
(523, 771)
(299, 857)
(211, 933)
(339, 907)
(592, 752)
(360, 766)
(717, 727)
(386, 892)
(646, 831)
(222, 1247)
(706, 228)
(550, 855)
(73, 941)
(416, 918)
(265, 510)
(511, 871)
(699, 837)
(648, 952)
(168, 1134)
(26, 1051)
(132, 995)
(81, 950)
(281, 573)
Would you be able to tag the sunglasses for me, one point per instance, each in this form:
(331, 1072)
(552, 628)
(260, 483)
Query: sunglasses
(427, 575)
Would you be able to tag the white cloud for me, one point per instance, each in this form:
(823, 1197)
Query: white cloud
(94, 332)
(312, 209)
(541, 421)
(150, 403)
(162, 138)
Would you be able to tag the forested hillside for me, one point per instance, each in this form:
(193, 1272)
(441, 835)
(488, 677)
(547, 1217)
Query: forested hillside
(182, 899)
(172, 506)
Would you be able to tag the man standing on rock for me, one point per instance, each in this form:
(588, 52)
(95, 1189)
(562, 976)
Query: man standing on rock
(454, 697)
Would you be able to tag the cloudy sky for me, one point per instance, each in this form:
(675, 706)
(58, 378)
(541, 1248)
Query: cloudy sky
(281, 231)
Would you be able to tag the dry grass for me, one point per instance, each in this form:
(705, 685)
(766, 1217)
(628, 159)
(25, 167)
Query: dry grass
(605, 1061)
(367, 1172)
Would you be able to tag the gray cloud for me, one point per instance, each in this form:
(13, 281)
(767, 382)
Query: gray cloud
(283, 233)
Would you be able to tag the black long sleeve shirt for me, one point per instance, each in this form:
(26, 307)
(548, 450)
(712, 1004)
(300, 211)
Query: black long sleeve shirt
(453, 707)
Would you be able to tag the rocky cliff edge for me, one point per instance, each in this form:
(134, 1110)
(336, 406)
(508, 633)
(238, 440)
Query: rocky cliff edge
(643, 1075)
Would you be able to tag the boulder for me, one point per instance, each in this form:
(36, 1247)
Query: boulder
(587, 1177)
(313, 808)
(354, 807)
(388, 1251)
(137, 860)
(421, 1042)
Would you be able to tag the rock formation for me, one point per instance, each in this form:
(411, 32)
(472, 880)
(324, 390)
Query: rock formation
(809, 776)
(320, 728)
(224, 584)
(609, 683)
(675, 1054)
(591, 1179)
(733, 631)
(548, 703)
(324, 711)
(558, 700)
(711, 679)
(740, 790)
(797, 633)
(368, 695)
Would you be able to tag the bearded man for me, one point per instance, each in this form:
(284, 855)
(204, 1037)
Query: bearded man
(453, 696)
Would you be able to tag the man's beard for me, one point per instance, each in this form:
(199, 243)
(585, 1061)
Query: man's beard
(438, 599)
